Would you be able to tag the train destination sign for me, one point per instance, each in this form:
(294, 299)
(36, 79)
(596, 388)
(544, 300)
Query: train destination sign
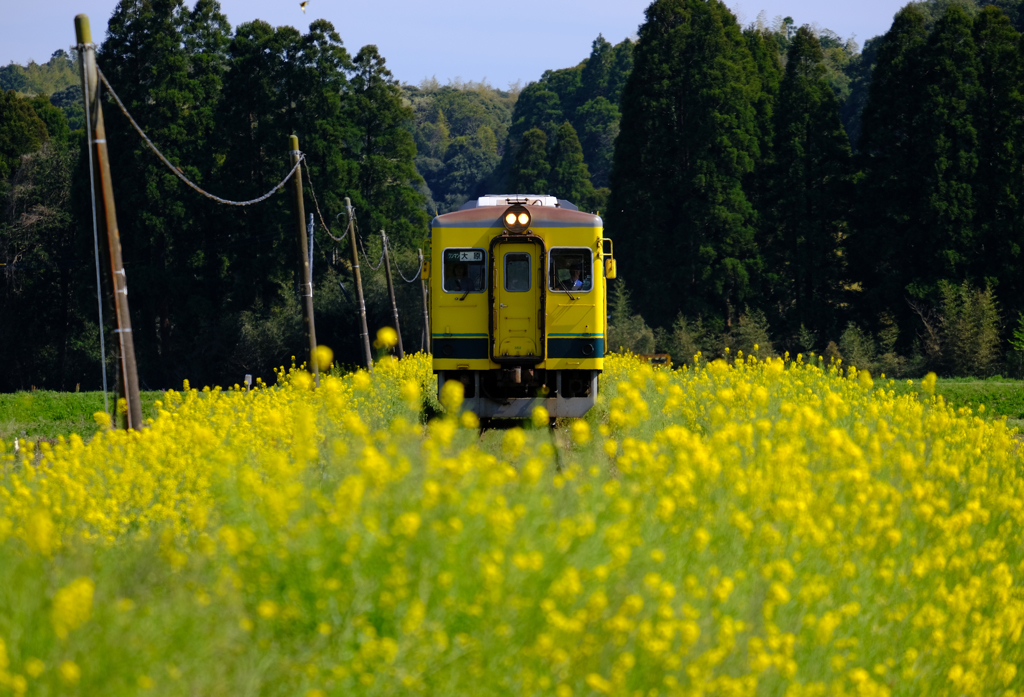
(463, 255)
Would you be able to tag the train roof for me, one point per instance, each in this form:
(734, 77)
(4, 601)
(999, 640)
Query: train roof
(545, 211)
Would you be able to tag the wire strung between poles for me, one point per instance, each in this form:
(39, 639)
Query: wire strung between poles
(415, 277)
(316, 205)
(178, 173)
(367, 256)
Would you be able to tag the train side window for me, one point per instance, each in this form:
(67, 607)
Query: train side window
(517, 272)
(571, 269)
(464, 270)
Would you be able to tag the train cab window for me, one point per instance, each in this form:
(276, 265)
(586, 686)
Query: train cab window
(571, 269)
(464, 271)
(517, 272)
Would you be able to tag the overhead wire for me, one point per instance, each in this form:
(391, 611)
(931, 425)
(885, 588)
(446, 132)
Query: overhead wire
(178, 173)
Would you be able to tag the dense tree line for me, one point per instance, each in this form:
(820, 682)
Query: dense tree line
(768, 185)
(213, 288)
(743, 204)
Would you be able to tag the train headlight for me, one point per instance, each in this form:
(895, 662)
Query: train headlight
(516, 219)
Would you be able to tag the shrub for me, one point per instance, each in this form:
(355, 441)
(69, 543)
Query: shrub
(687, 339)
(858, 348)
(969, 329)
(752, 330)
(626, 331)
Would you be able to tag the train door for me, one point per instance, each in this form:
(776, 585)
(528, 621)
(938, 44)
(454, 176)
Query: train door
(517, 282)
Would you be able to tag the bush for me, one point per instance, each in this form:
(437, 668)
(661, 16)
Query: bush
(752, 330)
(969, 329)
(858, 348)
(687, 339)
(626, 331)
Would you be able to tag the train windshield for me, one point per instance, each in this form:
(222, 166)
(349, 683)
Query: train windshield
(463, 270)
(571, 269)
(517, 272)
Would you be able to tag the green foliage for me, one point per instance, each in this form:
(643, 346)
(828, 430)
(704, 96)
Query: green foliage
(587, 96)
(858, 349)
(56, 74)
(689, 338)
(970, 324)
(21, 131)
(688, 139)
(1017, 345)
(998, 185)
(569, 178)
(69, 100)
(460, 131)
(751, 334)
(806, 207)
(48, 298)
(627, 332)
(885, 244)
(530, 167)
(54, 118)
(385, 151)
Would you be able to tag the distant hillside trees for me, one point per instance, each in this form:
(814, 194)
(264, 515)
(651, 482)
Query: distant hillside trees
(460, 131)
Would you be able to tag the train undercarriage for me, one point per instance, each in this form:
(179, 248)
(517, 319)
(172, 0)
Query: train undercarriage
(514, 392)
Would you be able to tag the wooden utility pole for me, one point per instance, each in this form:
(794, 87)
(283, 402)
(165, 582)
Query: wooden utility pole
(104, 193)
(426, 312)
(304, 272)
(391, 292)
(359, 282)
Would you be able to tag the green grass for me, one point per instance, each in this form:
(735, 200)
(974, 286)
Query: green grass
(45, 415)
(1001, 396)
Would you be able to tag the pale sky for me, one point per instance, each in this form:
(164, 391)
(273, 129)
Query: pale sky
(500, 42)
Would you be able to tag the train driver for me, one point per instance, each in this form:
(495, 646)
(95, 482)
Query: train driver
(458, 280)
(575, 281)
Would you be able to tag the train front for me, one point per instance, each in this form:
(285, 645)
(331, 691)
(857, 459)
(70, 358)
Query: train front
(518, 298)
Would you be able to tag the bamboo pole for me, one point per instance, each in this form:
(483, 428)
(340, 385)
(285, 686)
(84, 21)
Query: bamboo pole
(105, 195)
(391, 292)
(304, 270)
(359, 282)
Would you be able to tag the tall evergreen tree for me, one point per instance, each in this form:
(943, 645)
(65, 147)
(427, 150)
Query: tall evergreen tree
(808, 191)
(999, 183)
(385, 152)
(920, 150)
(892, 156)
(952, 151)
(622, 66)
(569, 177)
(689, 137)
(597, 124)
(255, 119)
(763, 50)
(597, 69)
(166, 63)
(530, 167)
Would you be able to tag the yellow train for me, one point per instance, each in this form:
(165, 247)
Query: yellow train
(518, 302)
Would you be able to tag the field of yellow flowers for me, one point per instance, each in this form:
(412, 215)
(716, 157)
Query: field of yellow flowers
(757, 528)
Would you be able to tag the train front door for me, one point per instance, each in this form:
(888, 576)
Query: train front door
(517, 279)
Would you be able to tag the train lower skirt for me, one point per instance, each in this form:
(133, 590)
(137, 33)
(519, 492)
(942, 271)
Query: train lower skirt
(508, 394)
